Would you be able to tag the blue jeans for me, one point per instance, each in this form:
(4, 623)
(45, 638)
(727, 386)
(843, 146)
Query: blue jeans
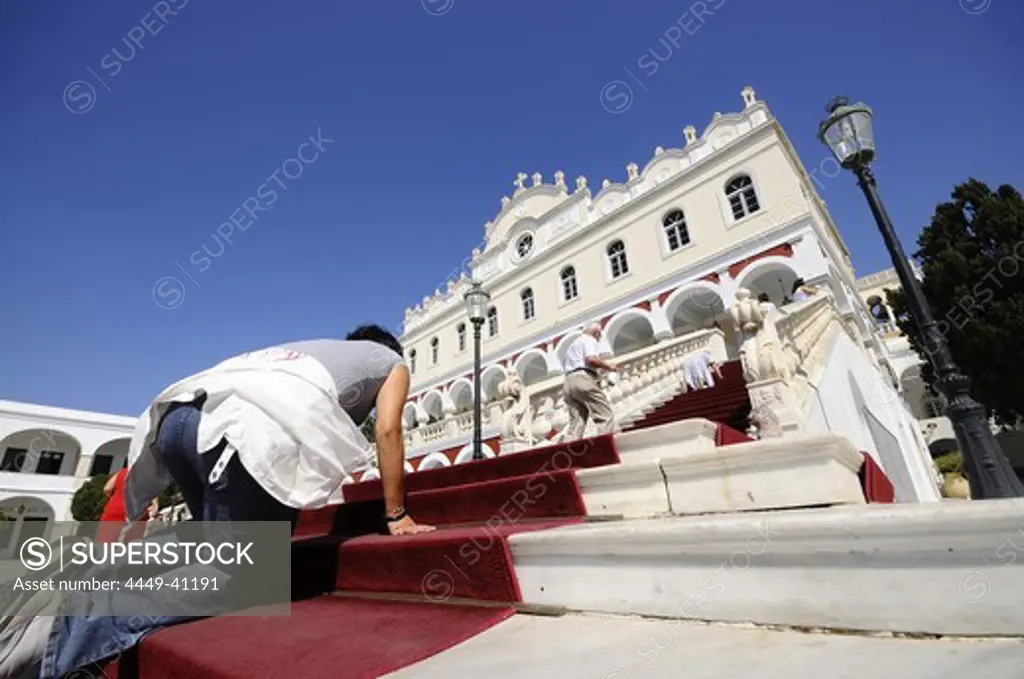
(77, 642)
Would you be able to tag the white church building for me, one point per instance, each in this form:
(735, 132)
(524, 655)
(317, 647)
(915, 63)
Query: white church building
(671, 259)
(661, 258)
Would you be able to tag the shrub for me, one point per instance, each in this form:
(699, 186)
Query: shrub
(950, 463)
(89, 500)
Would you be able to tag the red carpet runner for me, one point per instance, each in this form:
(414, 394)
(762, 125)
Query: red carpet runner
(326, 637)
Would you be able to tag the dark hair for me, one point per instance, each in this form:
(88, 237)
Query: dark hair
(797, 284)
(375, 333)
(763, 297)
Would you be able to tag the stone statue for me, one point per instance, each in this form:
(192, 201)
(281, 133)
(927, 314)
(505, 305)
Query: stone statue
(515, 408)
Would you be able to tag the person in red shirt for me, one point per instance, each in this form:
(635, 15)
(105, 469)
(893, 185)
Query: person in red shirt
(114, 516)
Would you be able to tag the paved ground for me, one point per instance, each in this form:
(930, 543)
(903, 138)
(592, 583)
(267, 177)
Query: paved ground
(600, 647)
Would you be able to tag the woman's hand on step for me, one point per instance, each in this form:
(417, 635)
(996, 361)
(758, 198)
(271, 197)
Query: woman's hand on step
(406, 526)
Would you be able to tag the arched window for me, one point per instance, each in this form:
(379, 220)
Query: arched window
(527, 297)
(412, 361)
(569, 289)
(675, 230)
(434, 346)
(460, 331)
(492, 322)
(742, 197)
(617, 259)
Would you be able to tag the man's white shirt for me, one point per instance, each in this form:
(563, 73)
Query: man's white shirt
(579, 351)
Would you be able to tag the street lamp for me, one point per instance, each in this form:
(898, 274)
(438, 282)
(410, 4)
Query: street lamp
(849, 135)
(476, 306)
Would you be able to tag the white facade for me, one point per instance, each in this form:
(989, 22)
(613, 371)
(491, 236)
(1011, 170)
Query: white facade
(47, 454)
(657, 256)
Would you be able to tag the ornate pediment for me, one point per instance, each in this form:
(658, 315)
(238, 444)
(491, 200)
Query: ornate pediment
(550, 212)
(527, 203)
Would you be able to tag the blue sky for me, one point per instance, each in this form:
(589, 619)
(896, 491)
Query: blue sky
(432, 108)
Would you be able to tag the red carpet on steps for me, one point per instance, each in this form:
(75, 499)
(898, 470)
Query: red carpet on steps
(728, 402)
(592, 452)
(472, 562)
(324, 638)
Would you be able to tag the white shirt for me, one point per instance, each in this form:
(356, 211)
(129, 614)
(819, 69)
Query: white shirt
(278, 411)
(578, 352)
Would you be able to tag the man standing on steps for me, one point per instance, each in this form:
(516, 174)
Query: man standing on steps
(261, 436)
(583, 394)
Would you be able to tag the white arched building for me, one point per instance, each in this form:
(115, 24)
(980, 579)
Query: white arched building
(654, 257)
(47, 454)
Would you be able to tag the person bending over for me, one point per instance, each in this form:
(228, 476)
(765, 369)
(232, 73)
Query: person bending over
(263, 435)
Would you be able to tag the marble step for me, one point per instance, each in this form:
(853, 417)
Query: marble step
(613, 647)
(691, 478)
(947, 568)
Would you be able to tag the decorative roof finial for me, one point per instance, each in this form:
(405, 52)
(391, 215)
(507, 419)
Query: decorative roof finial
(560, 180)
(505, 200)
(749, 96)
(658, 150)
(633, 171)
(520, 179)
(581, 183)
(690, 132)
(537, 179)
(606, 183)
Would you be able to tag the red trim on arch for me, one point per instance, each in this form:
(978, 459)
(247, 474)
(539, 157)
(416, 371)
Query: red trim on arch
(711, 277)
(665, 295)
(646, 306)
(784, 250)
(604, 321)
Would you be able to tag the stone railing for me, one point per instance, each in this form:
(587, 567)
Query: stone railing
(783, 353)
(647, 377)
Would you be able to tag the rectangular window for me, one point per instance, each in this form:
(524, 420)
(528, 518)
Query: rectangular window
(14, 459)
(50, 462)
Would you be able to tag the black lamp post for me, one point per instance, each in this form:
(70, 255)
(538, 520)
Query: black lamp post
(849, 135)
(476, 307)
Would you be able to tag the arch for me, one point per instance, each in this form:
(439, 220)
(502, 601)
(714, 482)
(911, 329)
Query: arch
(693, 306)
(27, 517)
(40, 451)
(466, 453)
(433, 405)
(434, 461)
(490, 378)
(461, 395)
(110, 456)
(628, 330)
(532, 366)
(435, 350)
(773, 276)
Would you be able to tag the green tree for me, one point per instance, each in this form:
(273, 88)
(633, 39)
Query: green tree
(89, 500)
(971, 257)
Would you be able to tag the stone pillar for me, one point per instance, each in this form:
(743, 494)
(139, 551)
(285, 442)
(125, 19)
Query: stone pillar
(660, 322)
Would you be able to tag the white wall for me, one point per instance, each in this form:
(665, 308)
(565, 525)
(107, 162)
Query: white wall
(852, 392)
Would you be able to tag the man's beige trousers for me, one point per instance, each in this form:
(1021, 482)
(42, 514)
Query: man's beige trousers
(585, 399)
